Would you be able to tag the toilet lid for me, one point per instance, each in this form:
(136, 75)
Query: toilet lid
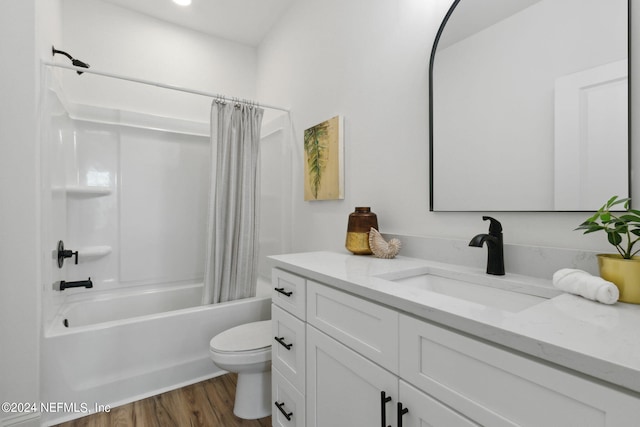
(247, 337)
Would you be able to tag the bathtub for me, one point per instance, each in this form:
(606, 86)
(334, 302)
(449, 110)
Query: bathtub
(110, 349)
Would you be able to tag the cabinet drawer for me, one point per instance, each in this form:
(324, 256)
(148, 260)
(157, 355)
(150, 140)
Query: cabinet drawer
(368, 328)
(289, 292)
(288, 403)
(499, 388)
(288, 350)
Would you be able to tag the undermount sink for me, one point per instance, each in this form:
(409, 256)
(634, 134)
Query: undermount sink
(479, 293)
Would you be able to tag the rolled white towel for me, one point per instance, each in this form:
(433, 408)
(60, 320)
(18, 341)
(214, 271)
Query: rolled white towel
(584, 284)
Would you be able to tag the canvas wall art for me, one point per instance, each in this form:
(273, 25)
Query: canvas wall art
(323, 161)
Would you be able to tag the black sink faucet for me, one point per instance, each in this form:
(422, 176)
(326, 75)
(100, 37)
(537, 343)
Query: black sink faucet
(495, 257)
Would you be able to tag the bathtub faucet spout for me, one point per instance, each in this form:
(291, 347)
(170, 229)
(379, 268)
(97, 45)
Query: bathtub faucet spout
(79, 284)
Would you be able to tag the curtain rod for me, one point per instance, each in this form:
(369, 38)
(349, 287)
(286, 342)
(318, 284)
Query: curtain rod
(162, 85)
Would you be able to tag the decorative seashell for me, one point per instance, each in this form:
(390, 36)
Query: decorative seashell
(380, 247)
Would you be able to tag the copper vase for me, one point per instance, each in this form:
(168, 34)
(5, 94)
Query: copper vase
(360, 222)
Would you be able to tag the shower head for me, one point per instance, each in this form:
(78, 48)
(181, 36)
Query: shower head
(79, 63)
(74, 62)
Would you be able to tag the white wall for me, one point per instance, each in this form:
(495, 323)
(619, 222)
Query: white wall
(368, 60)
(26, 27)
(18, 185)
(116, 40)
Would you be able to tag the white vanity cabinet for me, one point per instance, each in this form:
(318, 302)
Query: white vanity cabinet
(367, 364)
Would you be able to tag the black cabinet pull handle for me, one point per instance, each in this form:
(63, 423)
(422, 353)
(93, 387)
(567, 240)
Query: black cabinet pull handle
(283, 292)
(384, 399)
(286, 414)
(401, 412)
(284, 344)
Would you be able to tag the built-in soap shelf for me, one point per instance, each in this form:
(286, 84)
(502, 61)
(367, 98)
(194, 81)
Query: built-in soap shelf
(87, 191)
(83, 190)
(89, 253)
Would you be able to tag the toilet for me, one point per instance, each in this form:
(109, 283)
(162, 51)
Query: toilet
(246, 350)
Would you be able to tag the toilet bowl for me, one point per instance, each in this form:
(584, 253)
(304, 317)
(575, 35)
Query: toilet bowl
(246, 350)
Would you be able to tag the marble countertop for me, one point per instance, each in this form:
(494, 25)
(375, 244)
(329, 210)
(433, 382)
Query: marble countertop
(602, 341)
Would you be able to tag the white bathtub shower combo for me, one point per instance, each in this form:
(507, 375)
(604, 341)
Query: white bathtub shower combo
(128, 192)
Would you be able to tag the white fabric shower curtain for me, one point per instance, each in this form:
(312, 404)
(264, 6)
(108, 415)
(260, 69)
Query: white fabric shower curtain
(231, 267)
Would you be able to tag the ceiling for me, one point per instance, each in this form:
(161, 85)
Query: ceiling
(243, 21)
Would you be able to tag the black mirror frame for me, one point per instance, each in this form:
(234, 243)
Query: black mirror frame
(431, 61)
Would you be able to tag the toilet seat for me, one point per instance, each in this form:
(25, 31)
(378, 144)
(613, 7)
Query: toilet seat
(252, 337)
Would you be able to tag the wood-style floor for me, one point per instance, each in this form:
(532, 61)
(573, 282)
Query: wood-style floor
(206, 404)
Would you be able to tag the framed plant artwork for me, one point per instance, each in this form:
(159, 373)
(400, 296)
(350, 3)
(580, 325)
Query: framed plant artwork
(323, 161)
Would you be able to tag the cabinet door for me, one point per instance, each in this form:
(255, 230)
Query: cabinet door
(424, 410)
(344, 388)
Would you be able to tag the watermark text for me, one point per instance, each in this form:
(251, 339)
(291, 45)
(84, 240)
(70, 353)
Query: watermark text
(53, 407)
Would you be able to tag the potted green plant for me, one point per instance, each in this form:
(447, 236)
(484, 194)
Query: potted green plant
(622, 227)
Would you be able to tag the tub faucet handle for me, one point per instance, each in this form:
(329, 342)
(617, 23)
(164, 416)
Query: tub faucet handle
(65, 253)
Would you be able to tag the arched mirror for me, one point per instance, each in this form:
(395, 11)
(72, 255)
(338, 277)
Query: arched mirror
(529, 105)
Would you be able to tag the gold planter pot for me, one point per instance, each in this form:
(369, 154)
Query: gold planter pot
(624, 273)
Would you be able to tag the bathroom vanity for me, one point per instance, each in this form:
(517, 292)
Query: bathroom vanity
(361, 341)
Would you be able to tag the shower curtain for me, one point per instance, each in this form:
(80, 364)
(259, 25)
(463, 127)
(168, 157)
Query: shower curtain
(231, 267)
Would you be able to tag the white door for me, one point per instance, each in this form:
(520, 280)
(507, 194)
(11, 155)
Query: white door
(591, 137)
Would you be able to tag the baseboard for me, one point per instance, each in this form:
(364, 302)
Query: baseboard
(21, 420)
